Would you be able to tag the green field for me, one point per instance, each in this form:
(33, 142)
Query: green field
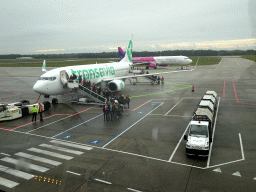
(250, 57)
(50, 63)
(68, 62)
(205, 60)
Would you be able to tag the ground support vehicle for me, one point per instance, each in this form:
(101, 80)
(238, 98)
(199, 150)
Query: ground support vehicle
(25, 106)
(9, 112)
(199, 134)
(213, 93)
(200, 128)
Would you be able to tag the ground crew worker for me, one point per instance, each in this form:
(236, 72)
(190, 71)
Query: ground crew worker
(111, 112)
(127, 100)
(162, 80)
(158, 80)
(40, 112)
(34, 112)
(104, 111)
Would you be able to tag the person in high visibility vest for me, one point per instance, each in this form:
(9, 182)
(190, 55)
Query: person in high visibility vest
(41, 111)
(34, 112)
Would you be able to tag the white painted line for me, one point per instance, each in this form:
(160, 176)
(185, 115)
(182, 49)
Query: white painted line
(40, 159)
(213, 132)
(237, 174)
(173, 107)
(3, 168)
(16, 173)
(133, 190)
(226, 163)
(73, 173)
(49, 124)
(171, 115)
(58, 155)
(30, 165)
(131, 126)
(5, 154)
(141, 105)
(218, 170)
(80, 144)
(61, 149)
(77, 125)
(8, 183)
(56, 121)
(72, 145)
(187, 165)
(182, 137)
(241, 144)
(103, 181)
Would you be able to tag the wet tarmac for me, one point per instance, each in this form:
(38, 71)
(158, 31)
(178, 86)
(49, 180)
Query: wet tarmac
(74, 149)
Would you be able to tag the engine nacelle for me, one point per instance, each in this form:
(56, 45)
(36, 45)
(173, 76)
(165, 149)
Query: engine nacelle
(153, 65)
(115, 85)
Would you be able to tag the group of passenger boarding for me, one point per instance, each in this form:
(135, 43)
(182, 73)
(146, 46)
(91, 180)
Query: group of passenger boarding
(114, 107)
(157, 78)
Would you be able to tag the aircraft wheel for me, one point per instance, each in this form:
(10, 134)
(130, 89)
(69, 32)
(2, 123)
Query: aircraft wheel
(54, 101)
(155, 67)
(25, 111)
(147, 67)
(47, 105)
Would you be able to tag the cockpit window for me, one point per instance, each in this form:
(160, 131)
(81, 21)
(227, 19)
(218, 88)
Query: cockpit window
(47, 78)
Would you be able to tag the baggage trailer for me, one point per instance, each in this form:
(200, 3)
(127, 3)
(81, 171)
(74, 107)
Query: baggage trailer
(199, 134)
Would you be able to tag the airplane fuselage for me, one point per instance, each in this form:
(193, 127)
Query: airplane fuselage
(50, 82)
(163, 60)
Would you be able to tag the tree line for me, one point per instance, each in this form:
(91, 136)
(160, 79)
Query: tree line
(135, 54)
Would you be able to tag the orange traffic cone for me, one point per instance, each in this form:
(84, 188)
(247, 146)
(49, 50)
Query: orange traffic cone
(193, 88)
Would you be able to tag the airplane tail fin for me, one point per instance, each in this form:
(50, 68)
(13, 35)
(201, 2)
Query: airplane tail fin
(44, 66)
(128, 55)
(121, 53)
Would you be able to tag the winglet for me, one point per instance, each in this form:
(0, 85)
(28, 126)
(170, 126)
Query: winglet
(44, 66)
(128, 55)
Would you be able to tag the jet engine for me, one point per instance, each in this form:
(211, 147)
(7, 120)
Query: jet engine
(115, 85)
(153, 65)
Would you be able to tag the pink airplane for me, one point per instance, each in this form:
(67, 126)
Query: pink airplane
(158, 60)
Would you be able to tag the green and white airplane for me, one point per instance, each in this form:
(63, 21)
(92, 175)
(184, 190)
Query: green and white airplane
(111, 74)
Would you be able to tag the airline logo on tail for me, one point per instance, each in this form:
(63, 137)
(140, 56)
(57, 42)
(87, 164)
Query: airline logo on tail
(121, 53)
(128, 55)
(44, 66)
(129, 50)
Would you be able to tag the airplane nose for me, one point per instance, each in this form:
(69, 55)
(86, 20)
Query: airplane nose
(37, 87)
(190, 61)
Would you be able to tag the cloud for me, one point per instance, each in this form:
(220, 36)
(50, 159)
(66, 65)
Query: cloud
(49, 50)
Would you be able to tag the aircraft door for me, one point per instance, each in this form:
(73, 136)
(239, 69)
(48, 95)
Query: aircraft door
(64, 77)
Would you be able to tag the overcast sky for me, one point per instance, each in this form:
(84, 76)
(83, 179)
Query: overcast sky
(79, 26)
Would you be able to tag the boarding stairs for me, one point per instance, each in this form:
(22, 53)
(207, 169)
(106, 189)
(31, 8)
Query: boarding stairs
(83, 91)
(146, 80)
(89, 93)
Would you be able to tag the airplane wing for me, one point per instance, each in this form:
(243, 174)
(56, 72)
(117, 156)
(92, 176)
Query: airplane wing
(143, 75)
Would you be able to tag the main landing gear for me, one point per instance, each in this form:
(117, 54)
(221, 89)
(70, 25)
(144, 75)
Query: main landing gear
(55, 101)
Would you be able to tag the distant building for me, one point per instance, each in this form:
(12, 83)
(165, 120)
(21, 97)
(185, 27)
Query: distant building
(24, 58)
